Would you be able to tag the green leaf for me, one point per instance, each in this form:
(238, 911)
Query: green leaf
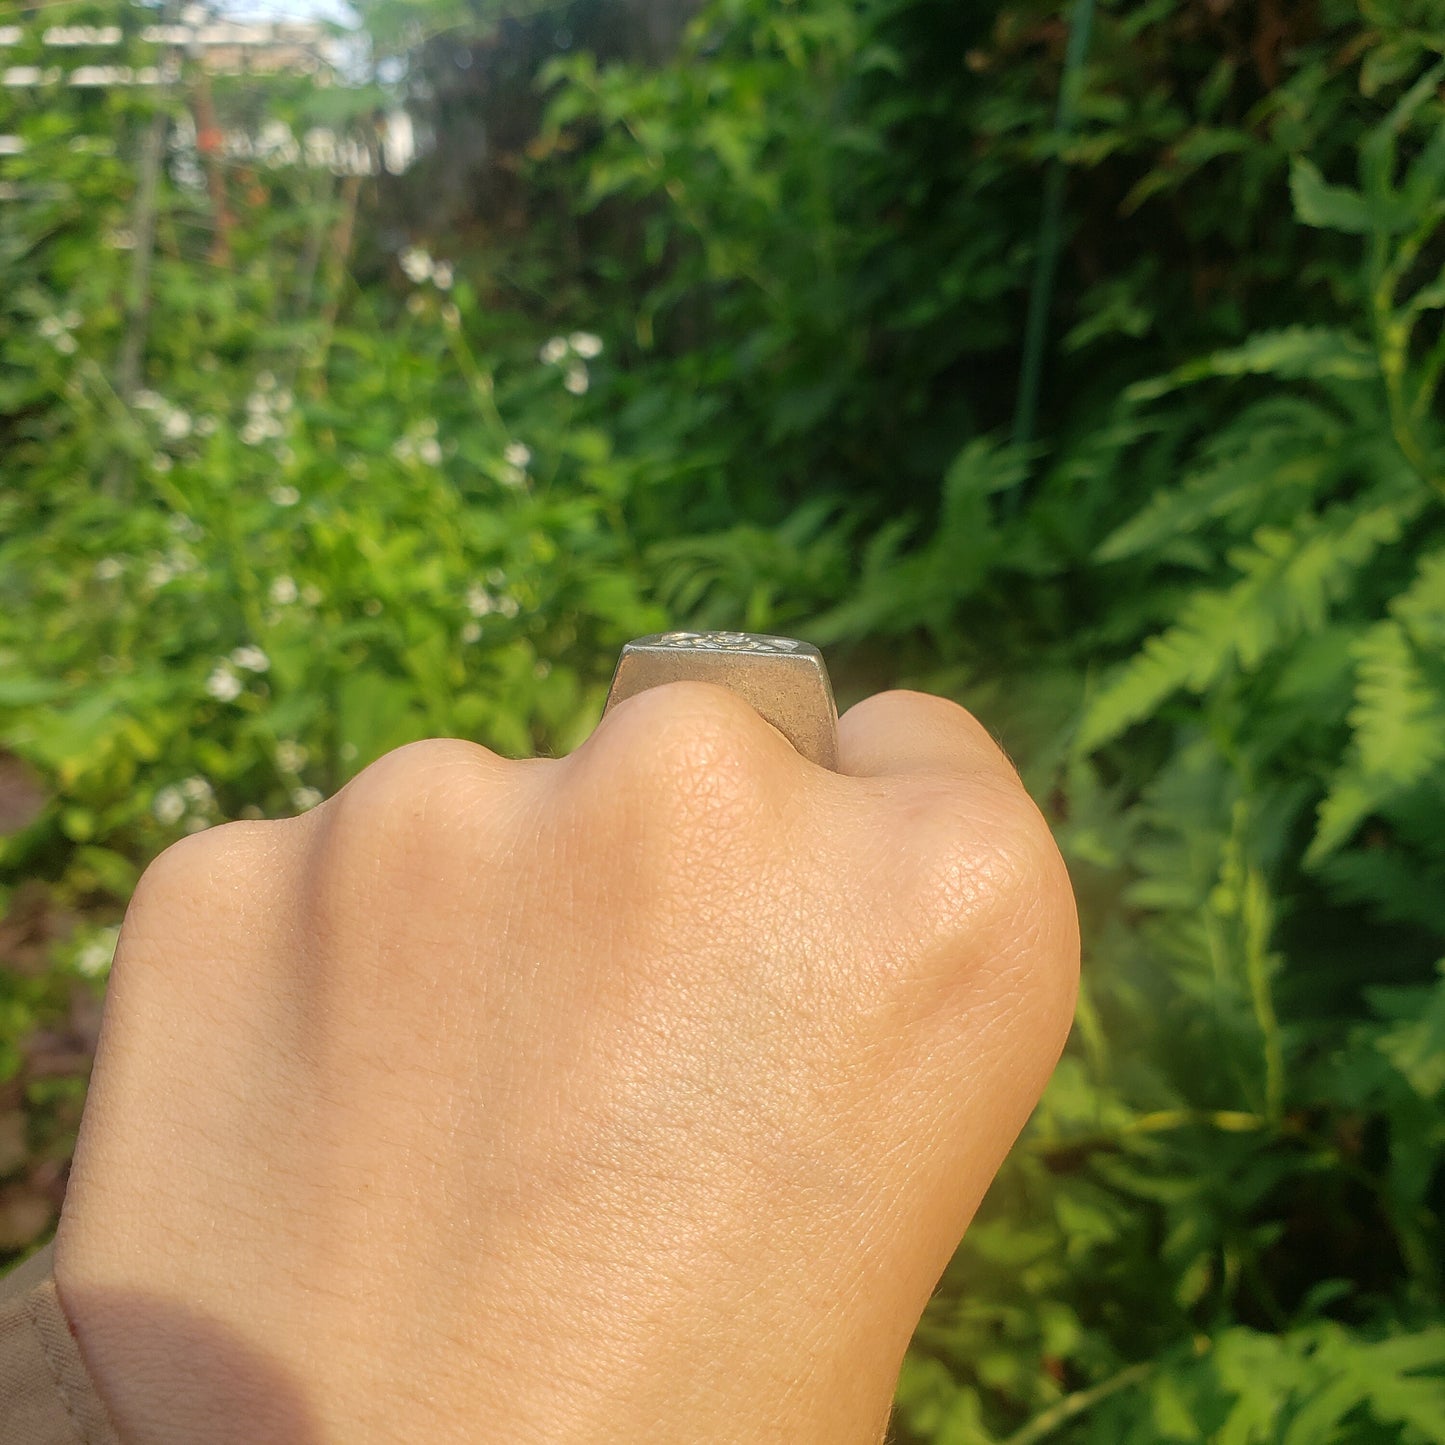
(1398, 718)
(376, 713)
(1289, 577)
(1284, 444)
(1415, 1046)
(1388, 64)
(1425, 178)
(1332, 208)
(1295, 353)
(20, 691)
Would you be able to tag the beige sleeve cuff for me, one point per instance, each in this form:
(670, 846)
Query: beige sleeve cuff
(46, 1394)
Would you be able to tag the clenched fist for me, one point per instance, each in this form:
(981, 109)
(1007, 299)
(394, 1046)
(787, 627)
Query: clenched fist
(640, 1095)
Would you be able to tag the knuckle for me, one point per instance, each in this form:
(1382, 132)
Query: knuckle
(197, 882)
(410, 815)
(990, 941)
(195, 863)
(685, 782)
(691, 747)
(988, 876)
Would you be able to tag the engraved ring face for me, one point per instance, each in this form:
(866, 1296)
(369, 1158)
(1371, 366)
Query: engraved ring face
(726, 642)
(784, 679)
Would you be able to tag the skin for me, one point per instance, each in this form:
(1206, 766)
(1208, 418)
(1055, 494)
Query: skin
(639, 1095)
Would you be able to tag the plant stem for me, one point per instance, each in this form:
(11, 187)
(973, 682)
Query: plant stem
(1046, 258)
(208, 144)
(1392, 339)
(1072, 1406)
(338, 255)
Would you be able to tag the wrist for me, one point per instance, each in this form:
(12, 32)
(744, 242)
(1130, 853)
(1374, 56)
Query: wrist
(604, 1367)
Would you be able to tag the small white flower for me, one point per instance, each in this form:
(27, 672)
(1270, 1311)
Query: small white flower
(507, 606)
(205, 426)
(253, 433)
(284, 495)
(196, 824)
(50, 327)
(479, 601)
(430, 451)
(518, 454)
(94, 960)
(177, 424)
(291, 756)
(585, 344)
(169, 805)
(223, 685)
(415, 304)
(311, 595)
(161, 462)
(554, 350)
(108, 569)
(123, 239)
(65, 344)
(284, 591)
(496, 577)
(305, 798)
(251, 658)
(283, 401)
(416, 263)
(159, 574)
(70, 320)
(513, 477)
(471, 631)
(441, 275)
(147, 400)
(576, 379)
(198, 790)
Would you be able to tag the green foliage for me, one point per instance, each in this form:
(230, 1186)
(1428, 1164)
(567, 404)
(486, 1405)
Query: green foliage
(329, 535)
(1263, 773)
(1206, 614)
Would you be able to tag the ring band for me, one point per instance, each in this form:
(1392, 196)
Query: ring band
(784, 679)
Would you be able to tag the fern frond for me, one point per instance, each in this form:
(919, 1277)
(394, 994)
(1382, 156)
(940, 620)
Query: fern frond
(1295, 353)
(1284, 446)
(1289, 577)
(1391, 883)
(1398, 719)
(898, 593)
(1421, 607)
(1398, 1380)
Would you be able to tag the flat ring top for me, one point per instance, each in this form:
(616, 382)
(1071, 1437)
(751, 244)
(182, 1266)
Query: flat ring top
(784, 678)
(723, 642)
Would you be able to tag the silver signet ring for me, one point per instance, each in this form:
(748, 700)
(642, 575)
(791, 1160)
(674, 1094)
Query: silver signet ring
(784, 679)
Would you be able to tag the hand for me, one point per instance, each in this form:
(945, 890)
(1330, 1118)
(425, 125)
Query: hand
(640, 1095)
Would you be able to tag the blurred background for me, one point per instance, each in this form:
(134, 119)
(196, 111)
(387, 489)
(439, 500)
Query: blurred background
(373, 373)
